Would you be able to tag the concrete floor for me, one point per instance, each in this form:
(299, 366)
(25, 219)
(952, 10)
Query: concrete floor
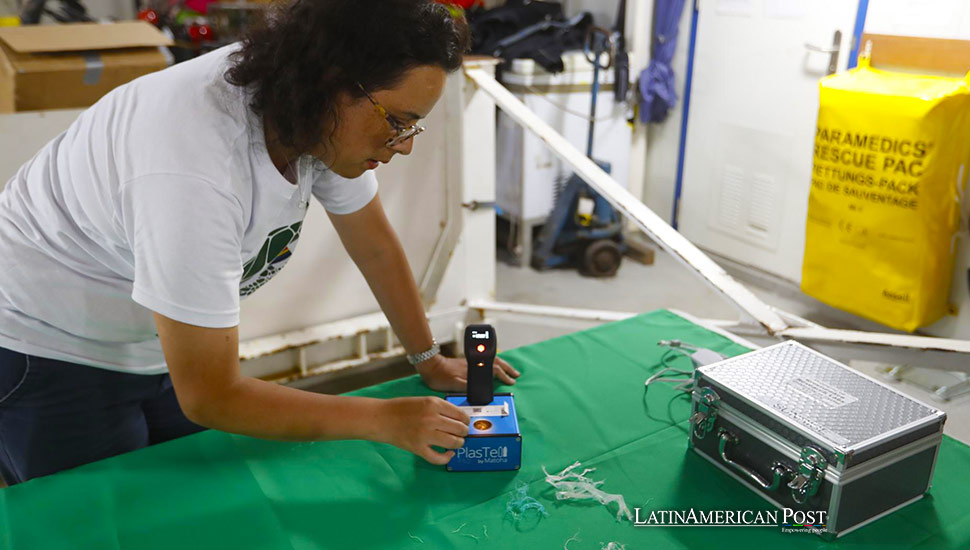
(666, 284)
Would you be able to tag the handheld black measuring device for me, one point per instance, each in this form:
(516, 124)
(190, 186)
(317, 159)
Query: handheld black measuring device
(480, 347)
(493, 442)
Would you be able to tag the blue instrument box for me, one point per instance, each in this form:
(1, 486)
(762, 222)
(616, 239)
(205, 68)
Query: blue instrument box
(494, 442)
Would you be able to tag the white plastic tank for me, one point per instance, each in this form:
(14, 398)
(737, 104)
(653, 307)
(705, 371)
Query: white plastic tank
(527, 172)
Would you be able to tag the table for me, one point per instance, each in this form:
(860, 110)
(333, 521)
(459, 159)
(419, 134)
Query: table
(580, 397)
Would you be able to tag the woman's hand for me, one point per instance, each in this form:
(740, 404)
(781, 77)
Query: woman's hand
(442, 373)
(416, 423)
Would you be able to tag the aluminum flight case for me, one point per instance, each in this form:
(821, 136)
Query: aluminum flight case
(808, 433)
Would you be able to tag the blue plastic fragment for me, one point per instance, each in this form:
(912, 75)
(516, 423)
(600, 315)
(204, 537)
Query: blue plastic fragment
(520, 504)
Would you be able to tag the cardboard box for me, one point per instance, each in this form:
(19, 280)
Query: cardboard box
(71, 66)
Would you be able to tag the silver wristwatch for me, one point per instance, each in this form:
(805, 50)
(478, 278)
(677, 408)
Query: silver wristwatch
(425, 355)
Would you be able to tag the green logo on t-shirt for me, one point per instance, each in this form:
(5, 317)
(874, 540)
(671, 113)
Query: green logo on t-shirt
(270, 259)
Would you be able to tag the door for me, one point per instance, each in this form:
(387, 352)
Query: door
(751, 126)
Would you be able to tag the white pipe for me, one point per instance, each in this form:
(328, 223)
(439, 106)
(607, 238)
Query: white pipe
(902, 341)
(337, 366)
(336, 330)
(552, 311)
(302, 361)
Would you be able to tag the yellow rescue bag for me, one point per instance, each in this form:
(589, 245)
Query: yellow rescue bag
(891, 160)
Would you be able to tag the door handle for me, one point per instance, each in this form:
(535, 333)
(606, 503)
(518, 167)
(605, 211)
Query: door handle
(832, 50)
(819, 49)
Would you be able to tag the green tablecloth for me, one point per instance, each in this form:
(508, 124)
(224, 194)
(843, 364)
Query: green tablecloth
(580, 397)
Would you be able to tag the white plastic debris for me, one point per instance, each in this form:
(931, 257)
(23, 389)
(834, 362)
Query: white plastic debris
(576, 486)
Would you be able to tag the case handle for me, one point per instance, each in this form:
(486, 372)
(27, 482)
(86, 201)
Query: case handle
(778, 470)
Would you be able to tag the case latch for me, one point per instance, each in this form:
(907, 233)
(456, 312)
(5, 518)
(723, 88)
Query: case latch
(811, 472)
(703, 419)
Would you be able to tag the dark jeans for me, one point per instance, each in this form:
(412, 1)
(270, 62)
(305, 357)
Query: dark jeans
(56, 415)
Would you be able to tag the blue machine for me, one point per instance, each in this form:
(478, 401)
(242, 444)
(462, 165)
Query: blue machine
(494, 442)
(583, 228)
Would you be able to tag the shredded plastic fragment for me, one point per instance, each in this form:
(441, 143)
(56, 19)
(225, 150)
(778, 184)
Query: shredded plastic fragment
(576, 486)
(565, 545)
(485, 530)
(521, 503)
(614, 546)
(459, 528)
(415, 538)
(470, 536)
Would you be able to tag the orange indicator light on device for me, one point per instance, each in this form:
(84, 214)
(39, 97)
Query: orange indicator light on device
(481, 348)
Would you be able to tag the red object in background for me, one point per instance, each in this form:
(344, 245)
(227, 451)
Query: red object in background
(149, 15)
(464, 4)
(200, 6)
(199, 32)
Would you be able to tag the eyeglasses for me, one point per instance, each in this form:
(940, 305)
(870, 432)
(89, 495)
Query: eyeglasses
(402, 133)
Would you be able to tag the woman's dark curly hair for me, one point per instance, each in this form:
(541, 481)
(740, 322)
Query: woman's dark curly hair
(309, 51)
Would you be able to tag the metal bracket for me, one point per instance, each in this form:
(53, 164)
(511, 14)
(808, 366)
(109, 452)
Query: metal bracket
(811, 471)
(703, 419)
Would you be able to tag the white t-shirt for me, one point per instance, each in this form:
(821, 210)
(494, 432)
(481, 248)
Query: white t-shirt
(160, 197)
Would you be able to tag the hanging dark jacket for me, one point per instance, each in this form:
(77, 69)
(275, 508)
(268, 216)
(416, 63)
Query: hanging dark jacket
(534, 30)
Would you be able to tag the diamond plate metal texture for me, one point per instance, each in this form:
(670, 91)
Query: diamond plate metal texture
(817, 393)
